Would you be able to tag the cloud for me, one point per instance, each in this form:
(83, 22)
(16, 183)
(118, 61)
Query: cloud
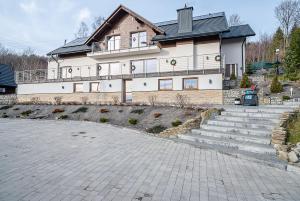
(84, 14)
(29, 7)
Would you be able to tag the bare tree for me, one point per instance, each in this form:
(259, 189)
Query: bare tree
(82, 31)
(288, 14)
(98, 21)
(234, 20)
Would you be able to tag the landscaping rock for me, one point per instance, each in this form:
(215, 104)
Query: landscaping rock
(283, 155)
(293, 157)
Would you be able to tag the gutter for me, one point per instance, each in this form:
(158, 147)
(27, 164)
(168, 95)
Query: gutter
(56, 60)
(220, 49)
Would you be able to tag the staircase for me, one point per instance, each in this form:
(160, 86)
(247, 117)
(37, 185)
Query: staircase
(241, 131)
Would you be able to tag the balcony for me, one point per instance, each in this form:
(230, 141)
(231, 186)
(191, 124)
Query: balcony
(160, 67)
(117, 46)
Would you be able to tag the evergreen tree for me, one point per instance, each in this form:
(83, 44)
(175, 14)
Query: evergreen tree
(277, 42)
(245, 83)
(292, 59)
(276, 86)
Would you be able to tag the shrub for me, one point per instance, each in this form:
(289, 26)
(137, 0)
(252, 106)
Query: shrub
(4, 116)
(137, 111)
(156, 129)
(115, 100)
(16, 109)
(104, 120)
(152, 100)
(245, 83)
(57, 110)
(176, 123)
(35, 100)
(276, 86)
(120, 111)
(132, 121)
(81, 109)
(5, 107)
(232, 76)
(26, 113)
(157, 115)
(181, 100)
(284, 98)
(64, 116)
(58, 100)
(104, 110)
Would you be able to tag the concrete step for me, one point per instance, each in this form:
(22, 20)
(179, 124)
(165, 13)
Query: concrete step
(233, 129)
(261, 109)
(245, 114)
(241, 124)
(230, 143)
(247, 119)
(233, 135)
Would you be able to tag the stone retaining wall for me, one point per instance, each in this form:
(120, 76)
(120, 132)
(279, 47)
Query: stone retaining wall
(8, 99)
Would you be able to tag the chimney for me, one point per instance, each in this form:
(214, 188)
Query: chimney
(185, 19)
(65, 41)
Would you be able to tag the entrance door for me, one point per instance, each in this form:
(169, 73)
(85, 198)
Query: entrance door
(127, 91)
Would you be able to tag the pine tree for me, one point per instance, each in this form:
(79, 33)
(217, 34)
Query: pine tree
(277, 42)
(245, 83)
(276, 86)
(292, 58)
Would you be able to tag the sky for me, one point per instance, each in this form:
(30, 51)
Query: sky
(43, 25)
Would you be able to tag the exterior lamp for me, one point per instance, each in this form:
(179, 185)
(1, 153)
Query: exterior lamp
(277, 61)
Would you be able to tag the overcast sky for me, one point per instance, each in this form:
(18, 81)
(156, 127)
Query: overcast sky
(43, 25)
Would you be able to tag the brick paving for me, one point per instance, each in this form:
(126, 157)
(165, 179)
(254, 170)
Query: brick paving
(65, 160)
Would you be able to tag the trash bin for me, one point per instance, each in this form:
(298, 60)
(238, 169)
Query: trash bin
(250, 98)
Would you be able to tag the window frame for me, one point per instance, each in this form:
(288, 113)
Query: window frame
(98, 90)
(159, 88)
(144, 65)
(114, 39)
(74, 88)
(138, 42)
(190, 78)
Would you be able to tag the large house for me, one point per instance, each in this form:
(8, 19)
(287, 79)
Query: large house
(130, 59)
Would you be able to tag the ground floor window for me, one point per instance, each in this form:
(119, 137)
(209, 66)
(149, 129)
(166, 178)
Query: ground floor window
(94, 87)
(165, 84)
(78, 87)
(190, 83)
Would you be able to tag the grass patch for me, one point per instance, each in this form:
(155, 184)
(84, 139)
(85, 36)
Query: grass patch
(132, 121)
(104, 120)
(176, 123)
(81, 109)
(57, 110)
(104, 110)
(137, 111)
(156, 129)
(63, 117)
(26, 113)
(5, 107)
(293, 130)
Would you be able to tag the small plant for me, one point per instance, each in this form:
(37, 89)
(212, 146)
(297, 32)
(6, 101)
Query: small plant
(157, 115)
(104, 110)
(152, 100)
(120, 111)
(137, 111)
(58, 100)
(57, 110)
(245, 83)
(176, 123)
(232, 76)
(5, 107)
(156, 129)
(35, 100)
(276, 86)
(26, 113)
(16, 109)
(284, 98)
(64, 116)
(4, 116)
(81, 109)
(181, 100)
(115, 100)
(132, 121)
(104, 120)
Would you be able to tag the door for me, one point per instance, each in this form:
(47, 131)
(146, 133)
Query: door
(127, 91)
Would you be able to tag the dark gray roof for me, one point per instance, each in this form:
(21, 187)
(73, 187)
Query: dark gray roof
(74, 46)
(205, 25)
(239, 31)
(7, 76)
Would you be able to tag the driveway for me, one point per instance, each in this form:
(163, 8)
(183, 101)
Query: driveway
(71, 160)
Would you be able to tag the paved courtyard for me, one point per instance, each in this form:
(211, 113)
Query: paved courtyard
(65, 160)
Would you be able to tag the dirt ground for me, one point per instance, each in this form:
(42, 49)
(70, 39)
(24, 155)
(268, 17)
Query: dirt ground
(146, 116)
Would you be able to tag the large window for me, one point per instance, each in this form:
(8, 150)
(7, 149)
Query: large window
(109, 69)
(151, 66)
(144, 66)
(165, 84)
(139, 39)
(137, 66)
(94, 87)
(190, 83)
(78, 87)
(113, 42)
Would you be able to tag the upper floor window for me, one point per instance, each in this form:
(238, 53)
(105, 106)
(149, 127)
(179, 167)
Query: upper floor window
(144, 66)
(105, 69)
(139, 39)
(113, 42)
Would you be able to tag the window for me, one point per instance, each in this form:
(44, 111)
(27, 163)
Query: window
(113, 42)
(139, 39)
(94, 87)
(190, 83)
(144, 66)
(109, 69)
(115, 69)
(137, 66)
(165, 84)
(151, 65)
(78, 87)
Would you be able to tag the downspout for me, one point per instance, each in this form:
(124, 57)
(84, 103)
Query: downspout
(243, 63)
(56, 60)
(220, 50)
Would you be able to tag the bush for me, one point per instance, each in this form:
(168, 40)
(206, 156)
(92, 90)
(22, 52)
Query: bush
(5, 107)
(104, 110)
(16, 109)
(4, 116)
(284, 98)
(104, 120)
(245, 83)
(176, 123)
(115, 100)
(232, 76)
(157, 115)
(181, 100)
(57, 110)
(152, 100)
(26, 113)
(120, 111)
(137, 111)
(58, 100)
(81, 109)
(63, 117)
(132, 121)
(35, 100)
(156, 129)
(276, 86)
